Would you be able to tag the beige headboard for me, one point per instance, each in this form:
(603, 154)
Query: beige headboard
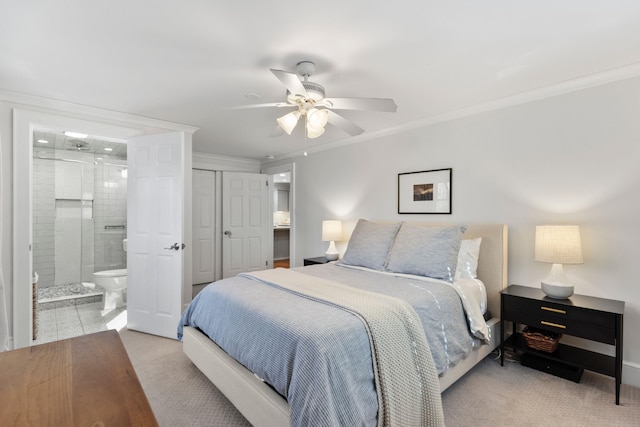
(493, 261)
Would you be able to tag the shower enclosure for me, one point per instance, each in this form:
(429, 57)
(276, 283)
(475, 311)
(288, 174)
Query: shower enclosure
(79, 209)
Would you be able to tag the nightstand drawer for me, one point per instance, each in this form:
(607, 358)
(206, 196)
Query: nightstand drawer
(590, 324)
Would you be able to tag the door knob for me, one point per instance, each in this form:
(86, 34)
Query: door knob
(227, 233)
(174, 247)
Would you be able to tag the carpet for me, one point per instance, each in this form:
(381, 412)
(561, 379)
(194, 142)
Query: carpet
(489, 395)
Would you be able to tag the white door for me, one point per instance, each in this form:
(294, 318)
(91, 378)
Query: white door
(155, 223)
(247, 224)
(203, 226)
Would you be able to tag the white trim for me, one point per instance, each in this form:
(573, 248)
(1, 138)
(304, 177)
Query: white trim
(22, 303)
(104, 115)
(631, 373)
(216, 162)
(579, 83)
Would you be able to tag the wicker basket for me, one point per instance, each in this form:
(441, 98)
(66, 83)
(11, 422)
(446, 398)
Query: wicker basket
(542, 340)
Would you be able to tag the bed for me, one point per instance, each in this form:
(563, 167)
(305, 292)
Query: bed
(260, 402)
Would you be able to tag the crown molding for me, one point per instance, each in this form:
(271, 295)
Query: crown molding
(217, 162)
(572, 85)
(93, 112)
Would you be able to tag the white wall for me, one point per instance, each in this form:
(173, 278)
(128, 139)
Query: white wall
(573, 158)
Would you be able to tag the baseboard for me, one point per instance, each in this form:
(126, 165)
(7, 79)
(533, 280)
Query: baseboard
(631, 374)
(630, 370)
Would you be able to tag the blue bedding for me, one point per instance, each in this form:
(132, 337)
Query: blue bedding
(317, 355)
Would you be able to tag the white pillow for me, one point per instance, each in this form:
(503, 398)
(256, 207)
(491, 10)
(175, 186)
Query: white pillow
(474, 299)
(468, 258)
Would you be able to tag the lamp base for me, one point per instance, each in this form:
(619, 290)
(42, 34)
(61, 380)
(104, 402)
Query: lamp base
(557, 290)
(332, 253)
(556, 284)
(331, 257)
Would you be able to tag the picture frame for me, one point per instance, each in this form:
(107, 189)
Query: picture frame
(425, 192)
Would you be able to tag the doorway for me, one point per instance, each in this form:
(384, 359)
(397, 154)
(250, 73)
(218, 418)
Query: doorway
(284, 221)
(79, 226)
(95, 122)
(281, 219)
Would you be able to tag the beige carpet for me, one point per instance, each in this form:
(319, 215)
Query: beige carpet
(489, 395)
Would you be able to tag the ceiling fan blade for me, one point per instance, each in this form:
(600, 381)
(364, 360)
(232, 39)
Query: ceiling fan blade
(372, 104)
(340, 122)
(277, 131)
(291, 82)
(270, 104)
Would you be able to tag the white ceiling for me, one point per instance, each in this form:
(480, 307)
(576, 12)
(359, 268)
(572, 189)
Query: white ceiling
(189, 62)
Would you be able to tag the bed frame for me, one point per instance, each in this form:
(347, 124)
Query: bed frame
(262, 406)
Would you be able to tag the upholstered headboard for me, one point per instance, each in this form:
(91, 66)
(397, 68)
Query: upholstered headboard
(493, 261)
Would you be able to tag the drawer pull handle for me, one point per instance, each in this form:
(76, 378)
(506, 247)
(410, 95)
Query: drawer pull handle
(555, 325)
(554, 310)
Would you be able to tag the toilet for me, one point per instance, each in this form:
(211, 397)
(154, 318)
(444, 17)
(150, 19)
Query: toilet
(114, 283)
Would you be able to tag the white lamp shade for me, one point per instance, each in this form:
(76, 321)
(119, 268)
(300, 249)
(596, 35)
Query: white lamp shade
(331, 230)
(558, 244)
(288, 121)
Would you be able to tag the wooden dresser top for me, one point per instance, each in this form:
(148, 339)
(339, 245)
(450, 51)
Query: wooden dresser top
(83, 381)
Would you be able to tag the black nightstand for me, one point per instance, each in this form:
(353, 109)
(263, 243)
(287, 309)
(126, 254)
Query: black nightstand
(316, 260)
(595, 319)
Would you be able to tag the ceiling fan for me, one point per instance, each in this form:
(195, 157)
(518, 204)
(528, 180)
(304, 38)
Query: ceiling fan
(308, 99)
(78, 145)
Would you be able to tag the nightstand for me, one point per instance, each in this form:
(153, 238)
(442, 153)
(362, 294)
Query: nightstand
(316, 260)
(595, 319)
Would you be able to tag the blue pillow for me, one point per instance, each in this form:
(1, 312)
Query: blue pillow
(426, 251)
(369, 244)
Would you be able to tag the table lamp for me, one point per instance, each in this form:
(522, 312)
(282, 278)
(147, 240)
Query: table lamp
(331, 231)
(558, 245)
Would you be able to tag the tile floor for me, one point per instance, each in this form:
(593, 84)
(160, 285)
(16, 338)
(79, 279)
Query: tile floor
(65, 316)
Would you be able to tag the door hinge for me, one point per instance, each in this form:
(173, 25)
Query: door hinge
(266, 263)
(266, 182)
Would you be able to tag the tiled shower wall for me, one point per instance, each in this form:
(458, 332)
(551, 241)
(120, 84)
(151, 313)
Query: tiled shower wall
(108, 210)
(44, 214)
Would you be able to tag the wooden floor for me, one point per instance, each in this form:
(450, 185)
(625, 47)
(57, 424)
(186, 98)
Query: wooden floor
(282, 263)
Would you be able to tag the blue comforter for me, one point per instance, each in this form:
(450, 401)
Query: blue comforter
(317, 355)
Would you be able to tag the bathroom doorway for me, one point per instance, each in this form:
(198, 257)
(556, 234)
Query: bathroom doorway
(79, 226)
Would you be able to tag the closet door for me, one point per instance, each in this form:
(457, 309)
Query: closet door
(203, 226)
(247, 223)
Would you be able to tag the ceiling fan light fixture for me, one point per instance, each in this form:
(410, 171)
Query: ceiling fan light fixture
(305, 96)
(314, 132)
(288, 121)
(314, 90)
(317, 119)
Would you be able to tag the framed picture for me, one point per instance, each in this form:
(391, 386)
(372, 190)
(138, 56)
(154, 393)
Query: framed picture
(425, 192)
